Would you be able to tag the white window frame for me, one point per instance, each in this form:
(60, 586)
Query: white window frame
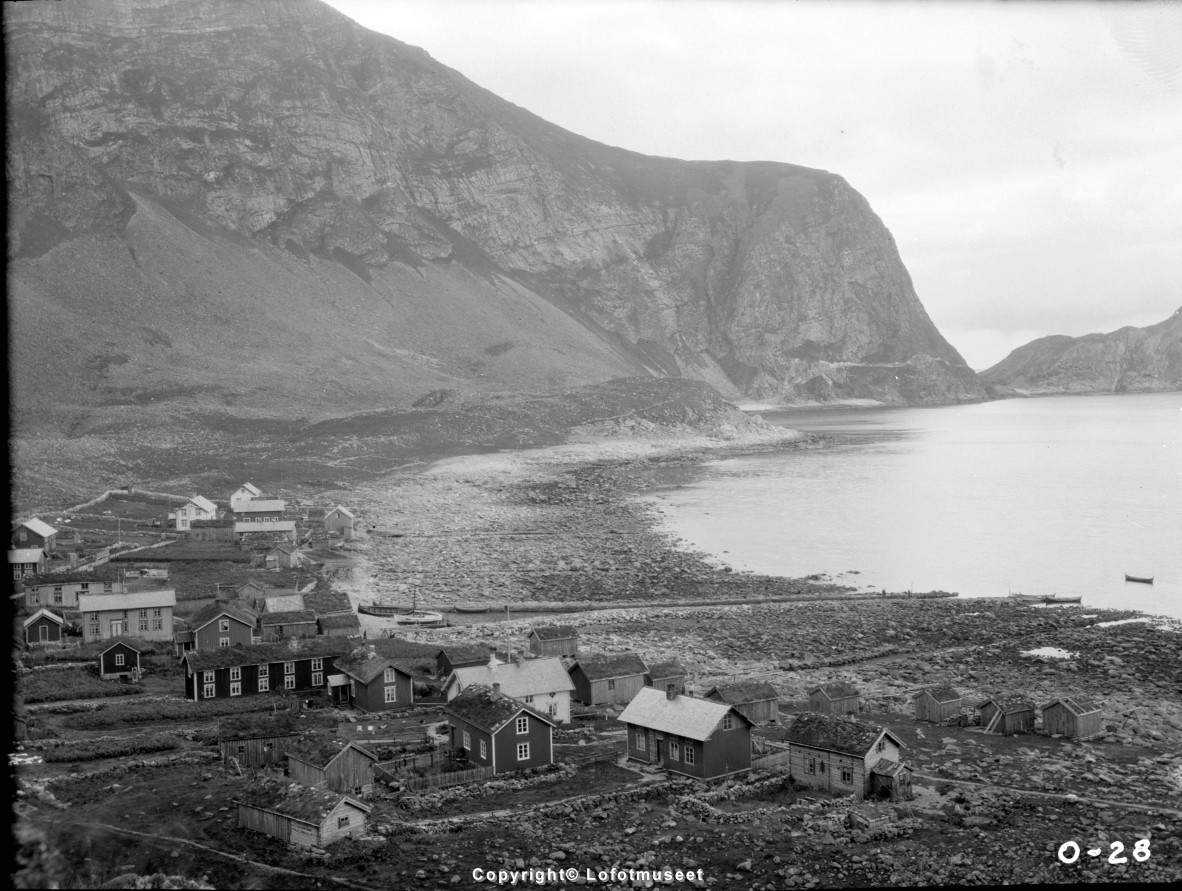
(523, 751)
(289, 682)
(264, 681)
(467, 746)
(728, 722)
(522, 724)
(236, 673)
(143, 624)
(484, 750)
(120, 659)
(318, 663)
(223, 625)
(318, 679)
(236, 688)
(641, 741)
(210, 691)
(391, 693)
(674, 750)
(289, 668)
(881, 745)
(529, 699)
(208, 677)
(688, 754)
(157, 624)
(223, 642)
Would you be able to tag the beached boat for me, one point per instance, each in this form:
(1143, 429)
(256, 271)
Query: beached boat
(1062, 598)
(472, 609)
(420, 617)
(1028, 598)
(1137, 578)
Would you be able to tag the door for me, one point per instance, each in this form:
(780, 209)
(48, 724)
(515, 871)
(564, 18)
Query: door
(117, 628)
(44, 632)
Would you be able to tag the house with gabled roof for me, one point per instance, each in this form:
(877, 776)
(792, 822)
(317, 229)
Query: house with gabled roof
(695, 737)
(60, 592)
(1009, 713)
(339, 625)
(300, 816)
(554, 640)
(371, 682)
(1073, 717)
(146, 615)
(455, 655)
(317, 760)
(663, 675)
(196, 508)
(542, 684)
(607, 678)
(243, 494)
(285, 625)
(938, 703)
(498, 731)
(43, 627)
(222, 624)
(835, 698)
(846, 756)
(227, 672)
(34, 533)
(758, 700)
(120, 659)
(340, 521)
(24, 563)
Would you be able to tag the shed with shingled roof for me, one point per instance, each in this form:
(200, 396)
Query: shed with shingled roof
(607, 679)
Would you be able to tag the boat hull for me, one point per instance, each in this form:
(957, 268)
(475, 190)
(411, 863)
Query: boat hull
(1136, 578)
(1063, 598)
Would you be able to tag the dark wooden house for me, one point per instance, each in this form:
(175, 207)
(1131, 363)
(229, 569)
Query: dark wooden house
(758, 700)
(306, 818)
(319, 761)
(371, 682)
(256, 740)
(554, 640)
(220, 529)
(936, 704)
(664, 675)
(498, 731)
(286, 625)
(120, 659)
(222, 624)
(339, 625)
(455, 656)
(34, 533)
(696, 737)
(228, 672)
(43, 627)
(1007, 714)
(835, 698)
(1072, 717)
(607, 679)
(846, 756)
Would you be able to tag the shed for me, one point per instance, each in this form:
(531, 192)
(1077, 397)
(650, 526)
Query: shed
(1007, 714)
(936, 704)
(835, 698)
(256, 740)
(606, 679)
(121, 658)
(34, 533)
(282, 626)
(554, 640)
(455, 656)
(43, 627)
(1072, 717)
(340, 625)
(320, 761)
(664, 675)
(303, 817)
(696, 737)
(340, 521)
(758, 700)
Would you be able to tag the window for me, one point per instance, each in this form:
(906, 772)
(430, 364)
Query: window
(391, 694)
(209, 677)
(157, 613)
(210, 692)
(551, 709)
(108, 587)
(289, 682)
(157, 624)
(821, 767)
(689, 754)
(523, 751)
(728, 723)
(120, 659)
(94, 627)
(223, 641)
(847, 775)
(467, 740)
(529, 699)
(57, 598)
(84, 588)
(236, 688)
(318, 664)
(318, 679)
(810, 766)
(143, 614)
(641, 742)
(342, 822)
(224, 625)
(24, 536)
(881, 745)
(264, 681)
(523, 724)
(241, 748)
(674, 751)
(289, 668)
(484, 750)
(236, 673)
(143, 624)
(611, 684)
(388, 676)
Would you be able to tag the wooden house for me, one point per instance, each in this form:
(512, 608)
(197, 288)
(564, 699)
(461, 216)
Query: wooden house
(286, 625)
(664, 675)
(498, 731)
(554, 640)
(1007, 714)
(286, 556)
(758, 700)
(60, 592)
(120, 659)
(608, 679)
(196, 508)
(695, 737)
(846, 756)
(43, 627)
(319, 762)
(216, 529)
(542, 684)
(263, 530)
(244, 493)
(146, 615)
(227, 672)
(371, 682)
(306, 818)
(1072, 717)
(25, 563)
(340, 521)
(339, 625)
(256, 740)
(835, 698)
(222, 624)
(454, 656)
(937, 704)
(34, 533)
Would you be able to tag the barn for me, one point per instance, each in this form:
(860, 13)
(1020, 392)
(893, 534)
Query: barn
(319, 761)
(758, 700)
(605, 679)
(936, 704)
(43, 627)
(1007, 714)
(835, 698)
(307, 818)
(1072, 717)
(554, 640)
(255, 740)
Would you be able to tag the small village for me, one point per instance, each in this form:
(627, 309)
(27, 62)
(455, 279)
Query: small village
(214, 652)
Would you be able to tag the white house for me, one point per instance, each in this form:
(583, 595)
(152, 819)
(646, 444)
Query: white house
(245, 492)
(542, 684)
(196, 508)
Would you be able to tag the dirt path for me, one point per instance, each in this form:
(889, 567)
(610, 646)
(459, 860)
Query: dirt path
(1058, 796)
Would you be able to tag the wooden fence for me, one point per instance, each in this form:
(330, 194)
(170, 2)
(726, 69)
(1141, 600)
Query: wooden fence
(772, 759)
(412, 762)
(437, 780)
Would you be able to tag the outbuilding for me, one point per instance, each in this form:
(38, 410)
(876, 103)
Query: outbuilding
(607, 679)
(306, 818)
(43, 627)
(455, 656)
(286, 625)
(120, 659)
(554, 640)
(835, 698)
(339, 625)
(937, 704)
(1007, 714)
(1072, 717)
(664, 675)
(758, 700)
(319, 761)
(254, 740)
(846, 756)
(340, 521)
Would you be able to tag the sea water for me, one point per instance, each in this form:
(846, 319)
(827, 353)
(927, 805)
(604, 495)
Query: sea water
(1053, 495)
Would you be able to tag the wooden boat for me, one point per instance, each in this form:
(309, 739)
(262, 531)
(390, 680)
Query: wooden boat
(420, 617)
(385, 610)
(1137, 578)
(1028, 598)
(1062, 598)
(472, 609)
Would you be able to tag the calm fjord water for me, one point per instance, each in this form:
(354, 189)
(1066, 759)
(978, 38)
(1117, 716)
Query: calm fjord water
(1042, 496)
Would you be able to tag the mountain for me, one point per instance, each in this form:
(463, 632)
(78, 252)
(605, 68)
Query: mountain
(266, 207)
(1125, 361)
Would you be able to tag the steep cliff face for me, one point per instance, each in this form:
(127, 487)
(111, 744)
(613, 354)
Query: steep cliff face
(1124, 361)
(285, 135)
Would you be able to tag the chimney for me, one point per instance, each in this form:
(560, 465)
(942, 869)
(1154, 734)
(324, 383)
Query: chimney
(493, 662)
(670, 692)
(371, 654)
(496, 693)
(294, 643)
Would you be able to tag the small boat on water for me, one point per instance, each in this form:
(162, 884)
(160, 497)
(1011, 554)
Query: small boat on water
(472, 609)
(1062, 598)
(1145, 580)
(420, 617)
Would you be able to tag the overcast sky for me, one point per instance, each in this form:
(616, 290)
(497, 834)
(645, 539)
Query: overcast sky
(1027, 156)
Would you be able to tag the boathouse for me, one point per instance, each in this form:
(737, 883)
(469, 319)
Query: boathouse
(1007, 714)
(835, 698)
(937, 704)
(1072, 717)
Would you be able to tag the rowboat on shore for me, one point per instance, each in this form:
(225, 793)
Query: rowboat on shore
(1062, 598)
(420, 617)
(1028, 598)
(472, 609)
(1145, 580)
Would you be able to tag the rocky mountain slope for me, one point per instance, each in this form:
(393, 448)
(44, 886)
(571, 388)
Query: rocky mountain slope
(1123, 361)
(264, 206)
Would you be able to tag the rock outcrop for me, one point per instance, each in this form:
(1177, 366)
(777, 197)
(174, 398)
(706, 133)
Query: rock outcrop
(173, 159)
(1128, 360)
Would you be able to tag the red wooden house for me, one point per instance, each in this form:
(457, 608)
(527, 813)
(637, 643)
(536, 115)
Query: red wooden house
(43, 627)
(221, 625)
(371, 682)
(261, 669)
(498, 731)
(687, 735)
(121, 658)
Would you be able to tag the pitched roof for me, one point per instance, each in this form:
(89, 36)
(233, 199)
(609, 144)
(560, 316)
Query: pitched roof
(835, 690)
(39, 526)
(290, 617)
(46, 614)
(97, 603)
(365, 665)
(283, 603)
(249, 487)
(616, 665)
(666, 670)
(742, 692)
(100, 574)
(298, 802)
(685, 716)
(343, 620)
(1074, 704)
(555, 632)
(833, 734)
(530, 677)
(319, 749)
(1013, 702)
(888, 768)
(204, 503)
(480, 706)
(261, 654)
(464, 653)
(211, 611)
(342, 510)
(132, 644)
(941, 693)
(25, 555)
